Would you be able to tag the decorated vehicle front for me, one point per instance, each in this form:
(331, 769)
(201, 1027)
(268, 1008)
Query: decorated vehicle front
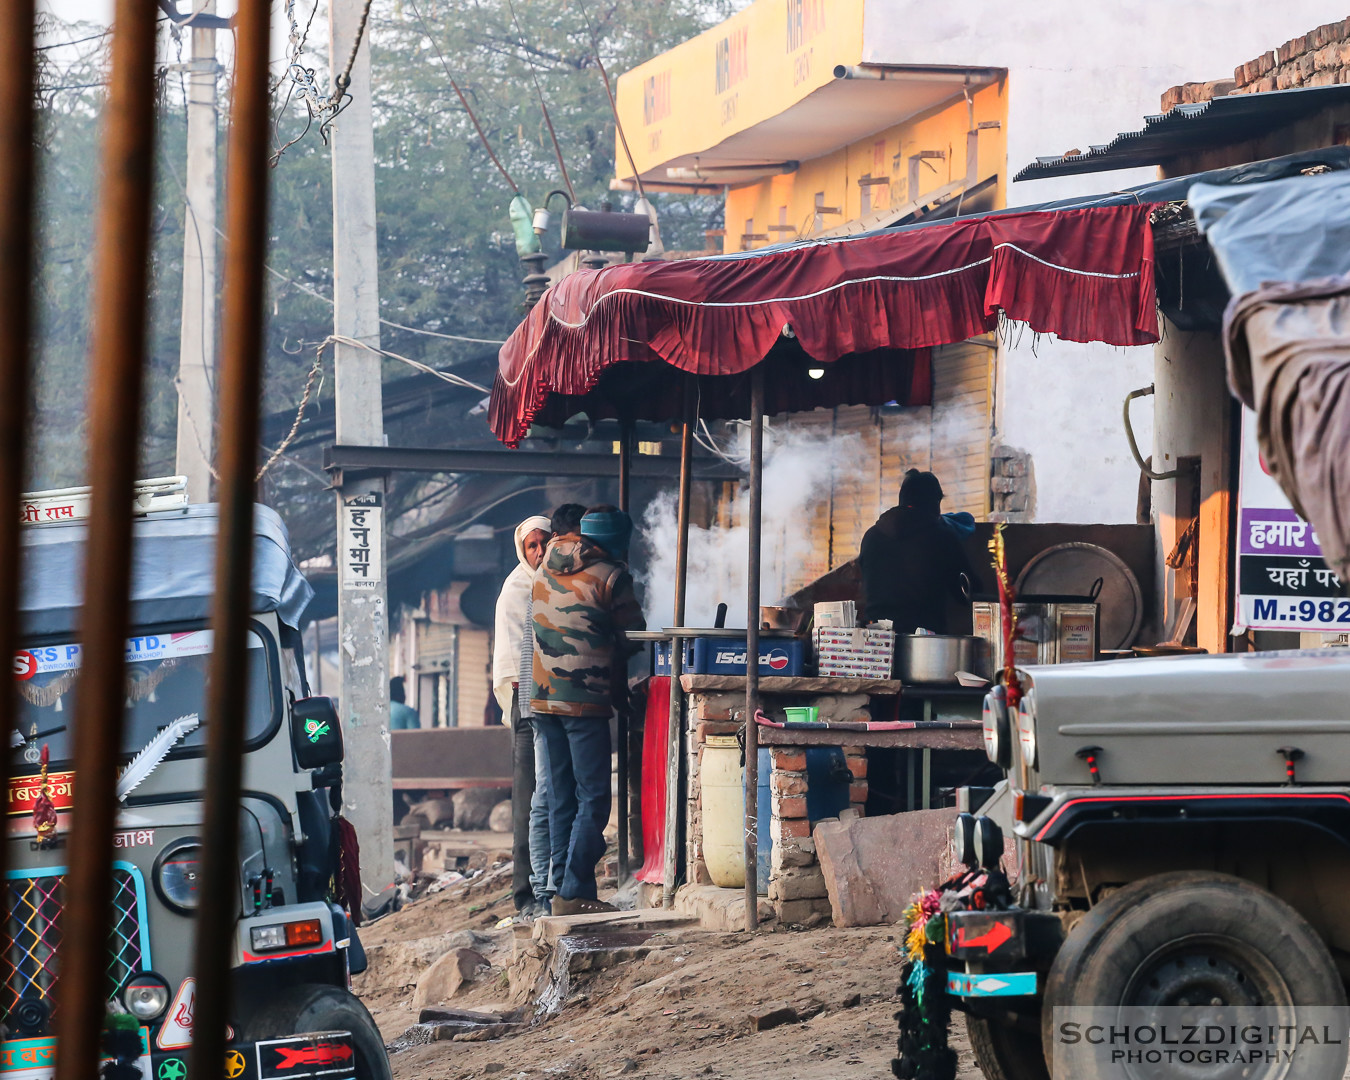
(293, 1015)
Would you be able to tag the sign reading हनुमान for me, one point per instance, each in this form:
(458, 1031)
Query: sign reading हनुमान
(1283, 582)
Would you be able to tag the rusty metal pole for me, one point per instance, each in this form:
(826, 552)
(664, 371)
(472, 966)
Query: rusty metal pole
(117, 355)
(240, 392)
(675, 743)
(625, 713)
(752, 648)
(16, 275)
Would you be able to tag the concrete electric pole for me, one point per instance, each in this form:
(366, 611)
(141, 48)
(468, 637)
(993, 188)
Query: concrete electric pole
(197, 347)
(363, 619)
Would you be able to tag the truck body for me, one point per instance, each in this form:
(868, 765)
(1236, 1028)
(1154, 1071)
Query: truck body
(293, 1014)
(1182, 835)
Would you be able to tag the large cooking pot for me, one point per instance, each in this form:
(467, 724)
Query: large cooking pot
(936, 658)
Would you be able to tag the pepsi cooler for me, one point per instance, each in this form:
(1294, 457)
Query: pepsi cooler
(726, 656)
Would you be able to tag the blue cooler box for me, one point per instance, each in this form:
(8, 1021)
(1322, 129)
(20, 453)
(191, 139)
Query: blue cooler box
(726, 656)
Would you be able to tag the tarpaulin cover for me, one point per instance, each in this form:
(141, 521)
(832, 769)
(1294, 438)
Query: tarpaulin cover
(1290, 230)
(172, 571)
(1284, 248)
(871, 304)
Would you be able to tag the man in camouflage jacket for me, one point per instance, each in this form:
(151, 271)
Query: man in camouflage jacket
(583, 602)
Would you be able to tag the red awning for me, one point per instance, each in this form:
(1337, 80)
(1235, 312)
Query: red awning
(615, 341)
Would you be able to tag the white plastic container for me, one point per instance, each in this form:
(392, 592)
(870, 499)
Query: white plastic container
(722, 790)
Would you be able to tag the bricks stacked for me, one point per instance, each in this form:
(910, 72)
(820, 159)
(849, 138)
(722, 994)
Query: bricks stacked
(796, 883)
(1320, 57)
(856, 757)
(1011, 484)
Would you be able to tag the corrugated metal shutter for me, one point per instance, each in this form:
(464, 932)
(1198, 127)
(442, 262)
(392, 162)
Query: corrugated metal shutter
(474, 677)
(435, 645)
(960, 427)
(816, 562)
(857, 495)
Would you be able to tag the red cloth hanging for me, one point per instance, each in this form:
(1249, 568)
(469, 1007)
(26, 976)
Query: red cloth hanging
(654, 756)
(873, 303)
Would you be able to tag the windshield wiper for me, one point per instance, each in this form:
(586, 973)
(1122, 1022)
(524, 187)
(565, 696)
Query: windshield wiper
(155, 751)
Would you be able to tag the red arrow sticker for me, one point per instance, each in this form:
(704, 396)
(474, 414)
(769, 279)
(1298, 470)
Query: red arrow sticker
(991, 939)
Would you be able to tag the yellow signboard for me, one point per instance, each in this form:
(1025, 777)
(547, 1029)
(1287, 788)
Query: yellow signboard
(740, 73)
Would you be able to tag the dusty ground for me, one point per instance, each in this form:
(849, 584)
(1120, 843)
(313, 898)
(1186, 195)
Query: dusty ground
(682, 1011)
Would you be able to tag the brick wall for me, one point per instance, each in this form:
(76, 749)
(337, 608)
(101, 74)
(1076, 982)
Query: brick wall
(1320, 57)
(796, 882)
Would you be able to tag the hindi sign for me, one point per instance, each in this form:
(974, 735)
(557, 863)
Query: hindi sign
(1283, 581)
(361, 543)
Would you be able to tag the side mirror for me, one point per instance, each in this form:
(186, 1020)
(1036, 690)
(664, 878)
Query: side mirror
(316, 733)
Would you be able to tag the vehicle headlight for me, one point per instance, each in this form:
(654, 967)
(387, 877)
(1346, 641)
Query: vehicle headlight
(988, 843)
(963, 837)
(178, 874)
(145, 995)
(997, 737)
(1026, 727)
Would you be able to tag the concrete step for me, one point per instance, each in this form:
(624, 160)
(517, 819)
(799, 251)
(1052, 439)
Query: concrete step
(718, 909)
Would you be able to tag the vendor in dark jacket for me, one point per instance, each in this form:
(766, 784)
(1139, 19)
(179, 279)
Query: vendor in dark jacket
(912, 559)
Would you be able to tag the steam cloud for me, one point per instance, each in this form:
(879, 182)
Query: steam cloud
(798, 470)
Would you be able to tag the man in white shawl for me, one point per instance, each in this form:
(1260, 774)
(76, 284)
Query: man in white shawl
(532, 536)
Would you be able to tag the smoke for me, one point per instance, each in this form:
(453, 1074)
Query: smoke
(798, 471)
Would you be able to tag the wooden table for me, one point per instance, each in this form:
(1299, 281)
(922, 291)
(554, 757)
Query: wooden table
(794, 684)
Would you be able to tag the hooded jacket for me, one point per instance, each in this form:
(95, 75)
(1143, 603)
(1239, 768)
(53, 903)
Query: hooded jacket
(912, 561)
(509, 625)
(583, 601)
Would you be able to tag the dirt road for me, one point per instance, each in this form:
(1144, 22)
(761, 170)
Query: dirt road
(687, 1009)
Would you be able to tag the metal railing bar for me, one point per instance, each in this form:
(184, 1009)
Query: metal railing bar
(240, 384)
(117, 355)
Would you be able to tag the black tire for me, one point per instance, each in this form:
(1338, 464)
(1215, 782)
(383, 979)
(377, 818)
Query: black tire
(1189, 938)
(312, 1007)
(1004, 1052)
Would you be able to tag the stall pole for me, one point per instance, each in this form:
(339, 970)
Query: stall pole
(752, 649)
(625, 713)
(674, 746)
(240, 387)
(17, 84)
(116, 365)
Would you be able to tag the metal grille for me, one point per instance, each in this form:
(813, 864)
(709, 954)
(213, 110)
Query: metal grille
(32, 944)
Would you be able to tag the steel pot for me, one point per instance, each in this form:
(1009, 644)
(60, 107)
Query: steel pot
(936, 658)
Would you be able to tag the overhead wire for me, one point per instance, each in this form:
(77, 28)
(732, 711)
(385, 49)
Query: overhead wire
(453, 380)
(539, 92)
(515, 189)
(609, 91)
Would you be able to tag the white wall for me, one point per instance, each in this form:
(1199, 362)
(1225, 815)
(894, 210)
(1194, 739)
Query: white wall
(1079, 72)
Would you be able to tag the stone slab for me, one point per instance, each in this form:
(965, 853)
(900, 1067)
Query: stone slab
(873, 866)
(552, 927)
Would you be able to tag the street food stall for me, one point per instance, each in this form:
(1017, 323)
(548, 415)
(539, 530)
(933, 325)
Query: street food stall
(844, 321)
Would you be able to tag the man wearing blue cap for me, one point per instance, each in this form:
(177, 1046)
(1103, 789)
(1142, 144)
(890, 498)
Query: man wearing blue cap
(583, 602)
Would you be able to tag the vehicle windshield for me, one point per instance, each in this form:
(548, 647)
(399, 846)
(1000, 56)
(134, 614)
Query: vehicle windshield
(166, 678)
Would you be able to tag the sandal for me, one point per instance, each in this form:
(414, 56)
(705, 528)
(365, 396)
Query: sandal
(580, 906)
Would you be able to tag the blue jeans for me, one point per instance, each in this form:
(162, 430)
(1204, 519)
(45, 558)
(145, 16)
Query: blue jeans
(578, 798)
(541, 851)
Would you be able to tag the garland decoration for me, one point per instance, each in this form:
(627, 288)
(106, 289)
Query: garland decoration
(44, 810)
(1006, 596)
(925, 1010)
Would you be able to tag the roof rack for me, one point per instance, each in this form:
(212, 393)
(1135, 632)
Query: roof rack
(72, 503)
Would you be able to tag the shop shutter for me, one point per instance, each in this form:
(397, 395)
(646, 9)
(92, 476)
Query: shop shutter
(815, 558)
(856, 500)
(961, 425)
(473, 681)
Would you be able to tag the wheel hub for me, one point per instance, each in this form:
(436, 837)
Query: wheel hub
(1197, 978)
